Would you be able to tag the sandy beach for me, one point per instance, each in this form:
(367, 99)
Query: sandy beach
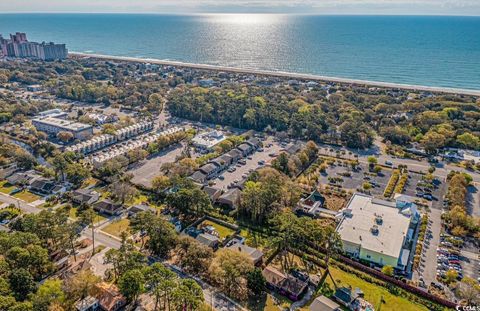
(283, 74)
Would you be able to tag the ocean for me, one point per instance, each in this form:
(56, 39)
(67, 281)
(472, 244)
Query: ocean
(440, 51)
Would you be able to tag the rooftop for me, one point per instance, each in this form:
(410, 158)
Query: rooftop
(209, 139)
(376, 225)
(64, 124)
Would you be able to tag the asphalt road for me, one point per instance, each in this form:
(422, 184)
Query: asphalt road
(27, 208)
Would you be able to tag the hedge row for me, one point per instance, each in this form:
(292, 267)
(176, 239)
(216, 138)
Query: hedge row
(401, 183)
(391, 183)
(421, 238)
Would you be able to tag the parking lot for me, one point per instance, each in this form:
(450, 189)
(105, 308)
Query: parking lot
(356, 178)
(251, 163)
(145, 171)
(416, 185)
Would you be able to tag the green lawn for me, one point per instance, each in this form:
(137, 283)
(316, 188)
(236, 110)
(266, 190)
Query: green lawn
(222, 231)
(254, 238)
(373, 293)
(117, 227)
(89, 182)
(5, 187)
(74, 216)
(27, 196)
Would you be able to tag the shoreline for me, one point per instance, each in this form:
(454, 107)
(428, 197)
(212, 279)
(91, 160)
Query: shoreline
(446, 90)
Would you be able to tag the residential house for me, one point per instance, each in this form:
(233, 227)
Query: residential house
(245, 149)
(210, 169)
(213, 193)
(285, 284)
(42, 186)
(199, 177)
(22, 178)
(231, 198)
(235, 154)
(221, 163)
(8, 170)
(108, 207)
(85, 196)
(254, 142)
(323, 303)
(352, 300)
(109, 297)
(255, 255)
(312, 205)
(226, 158)
(132, 211)
(88, 303)
(208, 240)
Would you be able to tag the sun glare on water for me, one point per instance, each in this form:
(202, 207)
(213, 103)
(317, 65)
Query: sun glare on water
(245, 19)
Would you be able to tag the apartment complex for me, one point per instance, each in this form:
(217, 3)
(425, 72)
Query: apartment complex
(18, 46)
(53, 125)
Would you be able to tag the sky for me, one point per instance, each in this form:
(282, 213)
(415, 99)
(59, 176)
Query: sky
(408, 7)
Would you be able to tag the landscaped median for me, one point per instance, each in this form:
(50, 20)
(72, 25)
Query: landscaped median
(421, 238)
(391, 184)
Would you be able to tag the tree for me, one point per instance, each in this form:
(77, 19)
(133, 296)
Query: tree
(161, 281)
(192, 256)
(160, 183)
(356, 134)
(161, 233)
(77, 173)
(468, 140)
(48, 293)
(451, 276)
(229, 270)
(81, 285)
(87, 217)
(190, 200)
(367, 186)
(21, 283)
(469, 289)
(432, 141)
(387, 270)
(122, 191)
(126, 258)
(131, 284)
(64, 136)
(372, 160)
(188, 295)
(256, 282)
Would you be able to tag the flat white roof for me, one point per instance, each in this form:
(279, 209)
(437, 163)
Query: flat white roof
(64, 124)
(356, 228)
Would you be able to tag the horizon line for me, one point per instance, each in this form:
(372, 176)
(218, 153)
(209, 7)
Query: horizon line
(242, 13)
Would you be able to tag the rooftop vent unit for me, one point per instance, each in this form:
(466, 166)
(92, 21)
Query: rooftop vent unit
(378, 219)
(374, 230)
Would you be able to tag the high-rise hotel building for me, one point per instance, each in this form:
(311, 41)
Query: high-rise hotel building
(18, 46)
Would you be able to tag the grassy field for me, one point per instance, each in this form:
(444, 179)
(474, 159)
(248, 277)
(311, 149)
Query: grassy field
(5, 187)
(222, 230)
(27, 196)
(374, 293)
(117, 227)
